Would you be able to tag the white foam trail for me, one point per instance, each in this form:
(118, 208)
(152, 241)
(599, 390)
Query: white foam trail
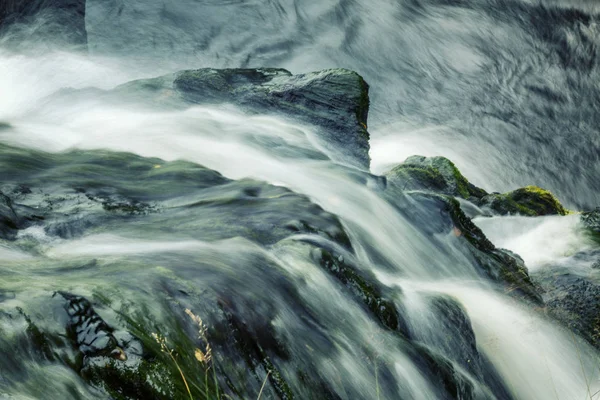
(539, 241)
(107, 245)
(394, 143)
(223, 139)
(25, 79)
(8, 255)
(537, 359)
(538, 364)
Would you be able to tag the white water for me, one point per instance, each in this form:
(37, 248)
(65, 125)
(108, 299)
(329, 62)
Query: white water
(539, 241)
(537, 359)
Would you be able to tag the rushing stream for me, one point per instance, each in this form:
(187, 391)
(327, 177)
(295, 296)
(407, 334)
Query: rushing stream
(217, 184)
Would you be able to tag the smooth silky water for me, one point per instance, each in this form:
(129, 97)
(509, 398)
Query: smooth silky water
(535, 358)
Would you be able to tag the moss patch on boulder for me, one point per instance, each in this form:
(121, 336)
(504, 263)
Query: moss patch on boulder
(436, 174)
(528, 201)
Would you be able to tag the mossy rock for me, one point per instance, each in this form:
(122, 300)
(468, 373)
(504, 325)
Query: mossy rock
(497, 264)
(435, 174)
(363, 290)
(529, 201)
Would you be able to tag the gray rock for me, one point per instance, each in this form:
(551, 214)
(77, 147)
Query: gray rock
(334, 101)
(574, 300)
(436, 174)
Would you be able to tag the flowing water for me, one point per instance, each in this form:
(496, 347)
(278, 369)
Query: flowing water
(480, 82)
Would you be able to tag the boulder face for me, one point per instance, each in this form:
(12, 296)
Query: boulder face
(573, 300)
(440, 175)
(50, 19)
(499, 265)
(334, 101)
(528, 201)
(437, 174)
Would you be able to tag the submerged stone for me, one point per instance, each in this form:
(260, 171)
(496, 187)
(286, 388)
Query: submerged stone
(8, 218)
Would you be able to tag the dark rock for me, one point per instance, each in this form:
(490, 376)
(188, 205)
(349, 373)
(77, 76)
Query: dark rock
(443, 375)
(573, 300)
(449, 332)
(335, 101)
(62, 20)
(93, 336)
(115, 361)
(436, 174)
(364, 291)
(529, 201)
(500, 265)
(9, 220)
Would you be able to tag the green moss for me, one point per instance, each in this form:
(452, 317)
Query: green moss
(498, 264)
(148, 380)
(382, 308)
(280, 385)
(528, 201)
(436, 174)
(155, 375)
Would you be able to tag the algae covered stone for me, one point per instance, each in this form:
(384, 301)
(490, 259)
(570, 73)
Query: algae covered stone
(528, 201)
(436, 174)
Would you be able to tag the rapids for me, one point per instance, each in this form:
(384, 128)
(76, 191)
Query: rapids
(477, 81)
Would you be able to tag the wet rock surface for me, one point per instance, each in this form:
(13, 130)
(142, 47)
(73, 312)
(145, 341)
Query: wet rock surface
(436, 174)
(333, 102)
(528, 201)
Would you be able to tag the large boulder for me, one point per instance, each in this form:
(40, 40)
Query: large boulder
(436, 174)
(573, 300)
(333, 102)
